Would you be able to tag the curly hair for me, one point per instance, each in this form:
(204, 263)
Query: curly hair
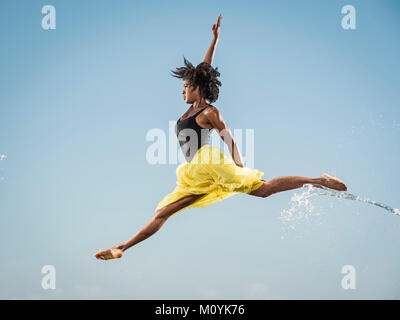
(203, 76)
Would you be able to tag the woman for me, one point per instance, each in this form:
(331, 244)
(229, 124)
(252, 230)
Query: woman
(209, 176)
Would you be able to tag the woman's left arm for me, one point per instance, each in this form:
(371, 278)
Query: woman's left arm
(218, 123)
(211, 50)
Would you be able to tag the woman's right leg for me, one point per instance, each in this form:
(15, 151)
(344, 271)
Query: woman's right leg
(155, 223)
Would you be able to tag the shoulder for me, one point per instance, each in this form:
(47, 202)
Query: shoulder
(212, 111)
(213, 115)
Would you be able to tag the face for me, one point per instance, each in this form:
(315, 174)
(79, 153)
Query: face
(190, 94)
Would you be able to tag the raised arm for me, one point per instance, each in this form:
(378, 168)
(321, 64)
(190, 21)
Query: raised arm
(211, 50)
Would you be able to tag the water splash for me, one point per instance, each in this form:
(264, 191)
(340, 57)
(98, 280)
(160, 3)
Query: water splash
(347, 195)
(301, 208)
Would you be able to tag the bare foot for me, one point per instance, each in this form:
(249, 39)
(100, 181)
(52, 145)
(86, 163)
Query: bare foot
(112, 253)
(332, 182)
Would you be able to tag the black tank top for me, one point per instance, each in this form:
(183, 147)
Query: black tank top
(191, 136)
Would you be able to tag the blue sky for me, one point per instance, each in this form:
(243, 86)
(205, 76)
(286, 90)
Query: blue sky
(77, 102)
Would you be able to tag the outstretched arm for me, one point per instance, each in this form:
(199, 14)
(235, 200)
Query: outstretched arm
(211, 50)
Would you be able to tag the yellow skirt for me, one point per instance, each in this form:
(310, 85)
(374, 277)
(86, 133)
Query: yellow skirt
(212, 173)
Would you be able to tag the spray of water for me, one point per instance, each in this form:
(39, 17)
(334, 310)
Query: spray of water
(301, 208)
(347, 195)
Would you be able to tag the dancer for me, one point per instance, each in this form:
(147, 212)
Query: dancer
(209, 175)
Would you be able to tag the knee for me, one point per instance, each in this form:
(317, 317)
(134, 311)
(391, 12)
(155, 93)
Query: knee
(161, 214)
(267, 193)
(267, 190)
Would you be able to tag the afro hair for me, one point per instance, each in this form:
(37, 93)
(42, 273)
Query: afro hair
(204, 76)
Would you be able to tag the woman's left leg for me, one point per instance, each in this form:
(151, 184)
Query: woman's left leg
(284, 183)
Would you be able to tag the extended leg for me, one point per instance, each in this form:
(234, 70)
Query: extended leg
(148, 229)
(284, 183)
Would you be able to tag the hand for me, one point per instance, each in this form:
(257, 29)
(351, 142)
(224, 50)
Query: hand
(216, 26)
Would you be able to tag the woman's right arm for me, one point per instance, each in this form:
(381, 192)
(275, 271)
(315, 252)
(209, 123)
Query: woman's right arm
(211, 50)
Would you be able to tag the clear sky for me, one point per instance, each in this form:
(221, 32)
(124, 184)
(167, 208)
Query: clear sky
(76, 105)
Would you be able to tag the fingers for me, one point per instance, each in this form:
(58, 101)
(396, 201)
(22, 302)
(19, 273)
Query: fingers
(216, 26)
(219, 20)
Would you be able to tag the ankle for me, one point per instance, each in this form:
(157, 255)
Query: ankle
(319, 181)
(124, 246)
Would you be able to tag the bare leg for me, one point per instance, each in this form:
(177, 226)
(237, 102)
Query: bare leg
(149, 229)
(292, 182)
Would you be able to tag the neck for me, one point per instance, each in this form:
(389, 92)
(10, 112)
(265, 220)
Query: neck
(200, 103)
